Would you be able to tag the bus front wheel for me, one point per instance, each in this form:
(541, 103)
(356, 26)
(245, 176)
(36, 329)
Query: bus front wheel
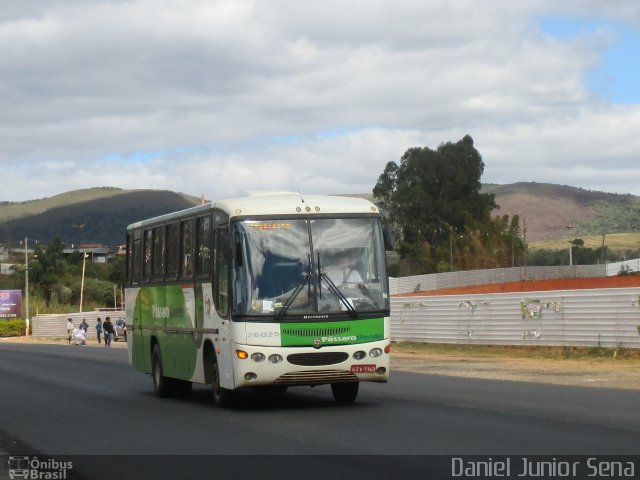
(345, 392)
(222, 397)
(161, 384)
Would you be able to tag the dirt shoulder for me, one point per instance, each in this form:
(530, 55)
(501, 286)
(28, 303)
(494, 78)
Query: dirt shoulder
(598, 373)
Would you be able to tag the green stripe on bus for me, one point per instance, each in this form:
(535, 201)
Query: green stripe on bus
(332, 333)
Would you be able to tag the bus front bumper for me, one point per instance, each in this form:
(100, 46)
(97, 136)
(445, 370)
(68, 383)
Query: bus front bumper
(262, 365)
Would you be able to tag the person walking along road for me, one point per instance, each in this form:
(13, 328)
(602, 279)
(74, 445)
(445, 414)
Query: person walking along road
(99, 330)
(107, 326)
(70, 328)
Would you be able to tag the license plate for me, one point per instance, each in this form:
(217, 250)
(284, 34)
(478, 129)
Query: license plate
(363, 368)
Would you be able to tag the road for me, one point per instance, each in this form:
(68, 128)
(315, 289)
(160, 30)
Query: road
(61, 400)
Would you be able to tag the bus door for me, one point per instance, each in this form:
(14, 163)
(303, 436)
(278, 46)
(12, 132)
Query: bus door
(220, 319)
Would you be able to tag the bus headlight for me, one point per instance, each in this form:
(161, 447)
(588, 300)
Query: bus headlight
(359, 355)
(275, 358)
(257, 357)
(375, 352)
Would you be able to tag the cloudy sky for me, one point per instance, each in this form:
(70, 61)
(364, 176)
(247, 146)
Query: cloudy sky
(222, 97)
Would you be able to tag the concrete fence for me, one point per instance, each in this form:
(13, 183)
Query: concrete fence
(56, 325)
(615, 268)
(587, 318)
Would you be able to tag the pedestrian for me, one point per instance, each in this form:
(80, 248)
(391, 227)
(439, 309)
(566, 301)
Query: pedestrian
(78, 334)
(99, 330)
(84, 325)
(107, 326)
(69, 329)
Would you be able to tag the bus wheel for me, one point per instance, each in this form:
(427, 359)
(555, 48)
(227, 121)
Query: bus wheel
(161, 384)
(222, 397)
(345, 392)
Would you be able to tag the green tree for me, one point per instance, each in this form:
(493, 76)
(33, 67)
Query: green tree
(97, 292)
(429, 195)
(47, 269)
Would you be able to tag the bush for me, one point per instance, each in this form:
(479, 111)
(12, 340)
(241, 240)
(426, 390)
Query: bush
(96, 291)
(12, 328)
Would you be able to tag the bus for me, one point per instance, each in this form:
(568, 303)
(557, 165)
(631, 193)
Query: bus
(271, 290)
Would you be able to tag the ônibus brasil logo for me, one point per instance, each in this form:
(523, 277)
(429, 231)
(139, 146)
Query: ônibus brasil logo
(34, 468)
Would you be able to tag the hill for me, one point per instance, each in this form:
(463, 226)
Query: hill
(101, 215)
(86, 216)
(549, 210)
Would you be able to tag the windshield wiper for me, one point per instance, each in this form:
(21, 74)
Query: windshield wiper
(283, 310)
(332, 287)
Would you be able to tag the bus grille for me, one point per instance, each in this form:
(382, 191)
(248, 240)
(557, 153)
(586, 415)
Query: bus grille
(315, 332)
(316, 359)
(317, 377)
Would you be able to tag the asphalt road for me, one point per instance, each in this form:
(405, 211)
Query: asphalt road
(61, 400)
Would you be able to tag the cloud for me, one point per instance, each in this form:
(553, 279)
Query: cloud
(220, 97)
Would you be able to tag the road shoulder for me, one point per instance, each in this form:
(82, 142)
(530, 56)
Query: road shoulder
(598, 373)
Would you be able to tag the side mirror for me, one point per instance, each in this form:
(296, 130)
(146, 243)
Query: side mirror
(389, 237)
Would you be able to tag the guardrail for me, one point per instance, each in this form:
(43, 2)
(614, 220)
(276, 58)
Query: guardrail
(588, 318)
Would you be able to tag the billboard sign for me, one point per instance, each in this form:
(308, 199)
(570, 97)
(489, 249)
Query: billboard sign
(10, 304)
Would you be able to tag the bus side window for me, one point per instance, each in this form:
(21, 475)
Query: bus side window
(148, 250)
(172, 248)
(203, 246)
(136, 260)
(221, 277)
(158, 253)
(128, 275)
(186, 250)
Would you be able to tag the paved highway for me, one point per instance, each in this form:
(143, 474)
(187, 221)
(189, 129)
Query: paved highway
(62, 400)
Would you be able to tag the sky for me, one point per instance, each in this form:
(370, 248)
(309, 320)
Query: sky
(224, 97)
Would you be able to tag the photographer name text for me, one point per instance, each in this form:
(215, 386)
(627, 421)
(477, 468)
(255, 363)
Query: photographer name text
(535, 468)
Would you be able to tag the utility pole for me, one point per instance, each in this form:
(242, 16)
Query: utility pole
(524, 239)
(570, 227)
(451, 249)
(513, 246)
(26, 284)
(84, 261)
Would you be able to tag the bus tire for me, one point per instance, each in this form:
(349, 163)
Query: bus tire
(161, 384)
(222, 397)
(345, 392)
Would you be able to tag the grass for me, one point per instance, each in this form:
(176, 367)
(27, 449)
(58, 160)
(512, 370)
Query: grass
(613, 241)
(500, 351)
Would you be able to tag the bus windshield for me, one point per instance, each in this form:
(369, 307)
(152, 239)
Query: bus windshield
(310, 268)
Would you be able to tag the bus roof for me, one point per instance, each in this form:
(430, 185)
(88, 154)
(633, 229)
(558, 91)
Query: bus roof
(274, 203)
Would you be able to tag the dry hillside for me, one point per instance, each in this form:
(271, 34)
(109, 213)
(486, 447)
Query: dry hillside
(546, 209)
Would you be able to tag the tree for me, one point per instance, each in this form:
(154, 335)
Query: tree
(47, 270)
(432, 194)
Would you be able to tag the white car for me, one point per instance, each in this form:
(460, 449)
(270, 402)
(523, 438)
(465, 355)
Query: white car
(120, 330)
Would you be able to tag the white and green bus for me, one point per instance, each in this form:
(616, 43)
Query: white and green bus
(271, 290)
